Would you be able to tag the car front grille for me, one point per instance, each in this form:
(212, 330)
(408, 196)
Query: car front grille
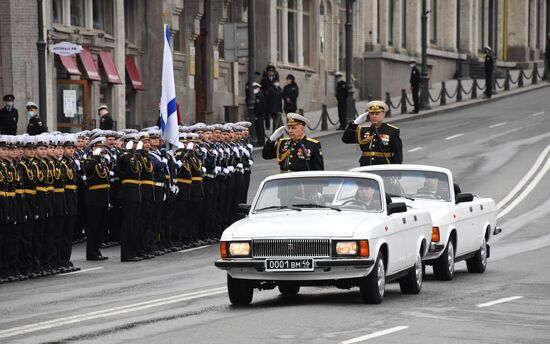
(263, 248)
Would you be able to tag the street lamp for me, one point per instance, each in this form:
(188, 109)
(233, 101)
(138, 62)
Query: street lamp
(251, 101)
(350, 106)
(41, 46)
(424, 77)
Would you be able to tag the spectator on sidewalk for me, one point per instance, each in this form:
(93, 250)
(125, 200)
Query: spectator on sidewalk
(259, 113)
(8, 116)
(415, 85)
(271, 90)
(489, 66)
(341, 97)
(290, 95)
(35, 126)
(105, 119)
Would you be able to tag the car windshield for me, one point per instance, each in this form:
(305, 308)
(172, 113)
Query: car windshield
(416, 184)
(335, 193)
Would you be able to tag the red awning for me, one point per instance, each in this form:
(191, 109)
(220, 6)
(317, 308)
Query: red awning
(109, 66)
(89, 64)
(69, 62)
(133, 73)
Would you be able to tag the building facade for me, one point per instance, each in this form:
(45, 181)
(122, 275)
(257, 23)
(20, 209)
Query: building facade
(120, 64)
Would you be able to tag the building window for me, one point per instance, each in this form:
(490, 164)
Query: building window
(179, 36)
(342, 36)
(390, 22)
(102, 15)
(404, 23)
(57, 11)
(481, 22)
(538, 27)
(77, 13)
(378, 21)
(433, 21)
(529, 22)
(293, 33)
(129, 20)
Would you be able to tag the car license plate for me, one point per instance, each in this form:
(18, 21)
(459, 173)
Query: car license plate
(282, 265)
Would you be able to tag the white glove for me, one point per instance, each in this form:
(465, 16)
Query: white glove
(218, 169)
(221, 151)
(361, 119)
(215, 152)
(129, 145)
(164, 198)
(165, 161)
(77, 163)
(190, 146)
(239, 165)
(139, 145)
(204, 150)
(277, 133)
(250, 147)
(251, 163)
(227, 151)
(204, 170)
(245, 152)
(231, 169)
(108, 157)
(180, 145)
(111, 173)
(179, 163)
(97, 151)
(84, 178)
(225, 170)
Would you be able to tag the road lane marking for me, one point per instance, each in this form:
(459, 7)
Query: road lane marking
(496, 302)
(497, 125)
(538, 114)
(527, 190)
(519, 186)
(80, 271)
(194, 249)
(44, 325)
(375, 335)
(416, 149)
(454, 136)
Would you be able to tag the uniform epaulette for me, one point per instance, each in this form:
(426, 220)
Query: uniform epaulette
(284, 138)
(312, 140)
(391, 125)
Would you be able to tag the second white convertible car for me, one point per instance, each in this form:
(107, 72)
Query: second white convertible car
(325, 228)
(462, 222)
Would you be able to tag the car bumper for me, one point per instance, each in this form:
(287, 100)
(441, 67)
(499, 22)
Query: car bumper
(324, 269)
(434, 251)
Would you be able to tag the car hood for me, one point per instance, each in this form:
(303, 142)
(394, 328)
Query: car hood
(305, 224)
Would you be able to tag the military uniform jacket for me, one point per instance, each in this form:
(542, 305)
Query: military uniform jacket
(129, 171)
(7, 193)
(58, 183)
(379, 145)
(415, 77)
(36, 126)
(8, 120)
(40, 171)
(97, 180)
(341, 90)
(147, 178)
(25, 168)
(305, 154)
(106, 122)
(69, 171)
(197, 190)
(184, 178)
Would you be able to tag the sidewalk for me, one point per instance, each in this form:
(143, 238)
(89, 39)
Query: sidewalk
(452, 105)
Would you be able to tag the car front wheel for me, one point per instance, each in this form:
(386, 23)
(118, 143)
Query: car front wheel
(373, 286)
(240, 291)
(478, 263)
(412, 282)
(444, 267)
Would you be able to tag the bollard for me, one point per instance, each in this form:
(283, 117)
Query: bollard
(443, 96)
(459, 91)
(388, 103)
(474, 89)
(535, 71)
(507, 81)
(324, 117)
(403, 101)
(520, 78)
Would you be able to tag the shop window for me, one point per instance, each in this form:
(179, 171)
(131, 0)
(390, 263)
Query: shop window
(77, 13)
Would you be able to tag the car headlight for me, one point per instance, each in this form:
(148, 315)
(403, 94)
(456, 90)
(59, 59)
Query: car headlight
(239, 249)
(346, 248)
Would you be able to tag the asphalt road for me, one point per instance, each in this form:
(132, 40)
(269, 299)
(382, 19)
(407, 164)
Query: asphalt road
(181, 297)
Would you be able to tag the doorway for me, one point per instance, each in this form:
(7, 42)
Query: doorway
(72, 105)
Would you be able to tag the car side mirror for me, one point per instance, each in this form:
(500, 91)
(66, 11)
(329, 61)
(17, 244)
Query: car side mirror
(243, 209)
(464, 197)
(398, 207)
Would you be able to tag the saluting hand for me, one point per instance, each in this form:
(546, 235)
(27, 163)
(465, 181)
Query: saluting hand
(277, 133)
(362, 118)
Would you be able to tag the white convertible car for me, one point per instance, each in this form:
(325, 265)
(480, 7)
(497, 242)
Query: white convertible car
(462, 222)
(325, 228)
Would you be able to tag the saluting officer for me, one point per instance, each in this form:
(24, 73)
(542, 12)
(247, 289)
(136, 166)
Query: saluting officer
(69, 169)
(296, 152)
(105, 119)
(380, 142)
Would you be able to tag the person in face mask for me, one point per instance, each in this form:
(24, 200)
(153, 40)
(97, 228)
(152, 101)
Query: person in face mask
(8, 116)
(259, 112)
(415, 85)
(35, 126)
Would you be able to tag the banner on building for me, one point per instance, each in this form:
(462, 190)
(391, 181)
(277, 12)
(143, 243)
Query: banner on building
(65, 48)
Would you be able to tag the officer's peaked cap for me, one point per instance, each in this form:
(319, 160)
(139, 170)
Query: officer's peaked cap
(377, 106)
(296, 119)
(31, 104)
(98, 141)
(9, 98)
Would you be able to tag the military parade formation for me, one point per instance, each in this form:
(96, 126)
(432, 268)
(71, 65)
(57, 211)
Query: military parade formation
(116, 187)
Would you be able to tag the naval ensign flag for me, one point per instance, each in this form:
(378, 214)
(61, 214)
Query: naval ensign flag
(168, 111)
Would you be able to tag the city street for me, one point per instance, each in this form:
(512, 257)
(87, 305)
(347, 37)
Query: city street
(181, 297)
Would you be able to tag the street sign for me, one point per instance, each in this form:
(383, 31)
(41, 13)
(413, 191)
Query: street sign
(235, 41)
(65, 48)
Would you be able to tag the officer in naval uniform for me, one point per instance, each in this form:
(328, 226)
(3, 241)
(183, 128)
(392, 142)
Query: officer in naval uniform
(380, 142)
(297, 152)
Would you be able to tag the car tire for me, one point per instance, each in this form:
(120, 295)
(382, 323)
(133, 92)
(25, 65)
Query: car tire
(373, 286)
(444, 266)
(289, 289)
(240, 291)
(478, 263)
(412, 282)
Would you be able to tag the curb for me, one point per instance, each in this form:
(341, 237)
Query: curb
(440, 109)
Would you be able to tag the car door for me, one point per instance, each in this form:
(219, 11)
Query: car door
(463, 215)
(396, 237)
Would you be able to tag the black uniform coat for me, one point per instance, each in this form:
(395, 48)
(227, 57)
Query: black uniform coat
(69, 169)
(36, 126)
(290, 97)
(106, 122)
(384, 139)
(8, 121)
(272, 94)
(129, 170)
(305, 154)
(415, 77)
(97, 181)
